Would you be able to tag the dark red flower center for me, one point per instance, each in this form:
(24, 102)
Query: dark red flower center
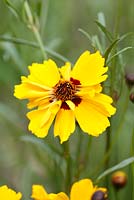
(66, 90)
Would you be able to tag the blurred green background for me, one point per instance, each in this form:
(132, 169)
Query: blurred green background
(25, 160)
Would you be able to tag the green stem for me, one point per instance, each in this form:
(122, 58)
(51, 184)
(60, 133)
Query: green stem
(132, 165)
(43, 15)
(118, 131)
(39, 40)
(34, 29)
(33, 44)
(68, 175)
(79, 164)
(113, 75)
(121, 123)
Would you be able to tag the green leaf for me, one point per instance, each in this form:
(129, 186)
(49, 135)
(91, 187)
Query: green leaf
(101, 18)
(87, 36)
(51, 150)
(13, 9)
(126, 35)
(105, 31)
(33, 44)
(122, 164)
(118, 53)
(96, 42)
(109, 49)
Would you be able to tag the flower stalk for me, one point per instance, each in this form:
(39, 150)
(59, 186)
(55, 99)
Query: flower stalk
(34, 28)
(68, 173)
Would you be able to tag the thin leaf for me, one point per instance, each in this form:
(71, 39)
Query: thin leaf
(85, 33)
(33, 44)
(122, 164)
(118, 53)
(96, 42)
(126, 35)
(43, 15)
(11, 50)
(101, 19)
(87, 36)
(105, 31)
(109, 49)
(52, 152)
(13, 9)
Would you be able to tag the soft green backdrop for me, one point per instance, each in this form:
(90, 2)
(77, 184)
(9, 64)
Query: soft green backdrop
(22, 162)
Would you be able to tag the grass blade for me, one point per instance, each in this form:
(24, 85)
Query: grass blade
(122, 164)
(34, 45)
(109, 49)
(118, 53)
(39, 142)
(105, 31)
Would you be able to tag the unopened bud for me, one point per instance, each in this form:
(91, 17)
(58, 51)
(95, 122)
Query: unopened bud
(131, 97)
(119, 179)
(130, 79)
(99, 195)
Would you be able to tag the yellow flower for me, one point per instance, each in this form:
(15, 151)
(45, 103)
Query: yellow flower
(81, 190)
(9, 194)
(67, 95)
(39, 193)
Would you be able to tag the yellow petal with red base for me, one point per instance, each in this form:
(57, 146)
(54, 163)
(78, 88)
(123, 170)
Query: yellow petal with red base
(89, 69)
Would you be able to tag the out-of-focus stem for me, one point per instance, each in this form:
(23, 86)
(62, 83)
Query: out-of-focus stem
(34, 28)
(68, 177)
(113, 75)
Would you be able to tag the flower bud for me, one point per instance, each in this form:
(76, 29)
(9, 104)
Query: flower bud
(119, 179)
(131, 97)
(99, 195)
(130, 79)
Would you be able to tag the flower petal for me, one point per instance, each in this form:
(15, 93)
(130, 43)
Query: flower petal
(65, 71)
(7, 193)
(59, 196)
(45, 74)
(29, 90)
(105, 101)
(89, 69)
(82, 190)
(39, 193)
(70, 104)
(41, 119)
(91, 118)
(64, 124)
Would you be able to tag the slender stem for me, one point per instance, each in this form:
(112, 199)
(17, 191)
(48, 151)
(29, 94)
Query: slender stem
(43, 15)
(113, 75)
(79, 164)
(34, 29)
(108, 139)
(117, 194)
(39, 40)
(33, 44)
(68, 175)
(118, 131)
(132, 165)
